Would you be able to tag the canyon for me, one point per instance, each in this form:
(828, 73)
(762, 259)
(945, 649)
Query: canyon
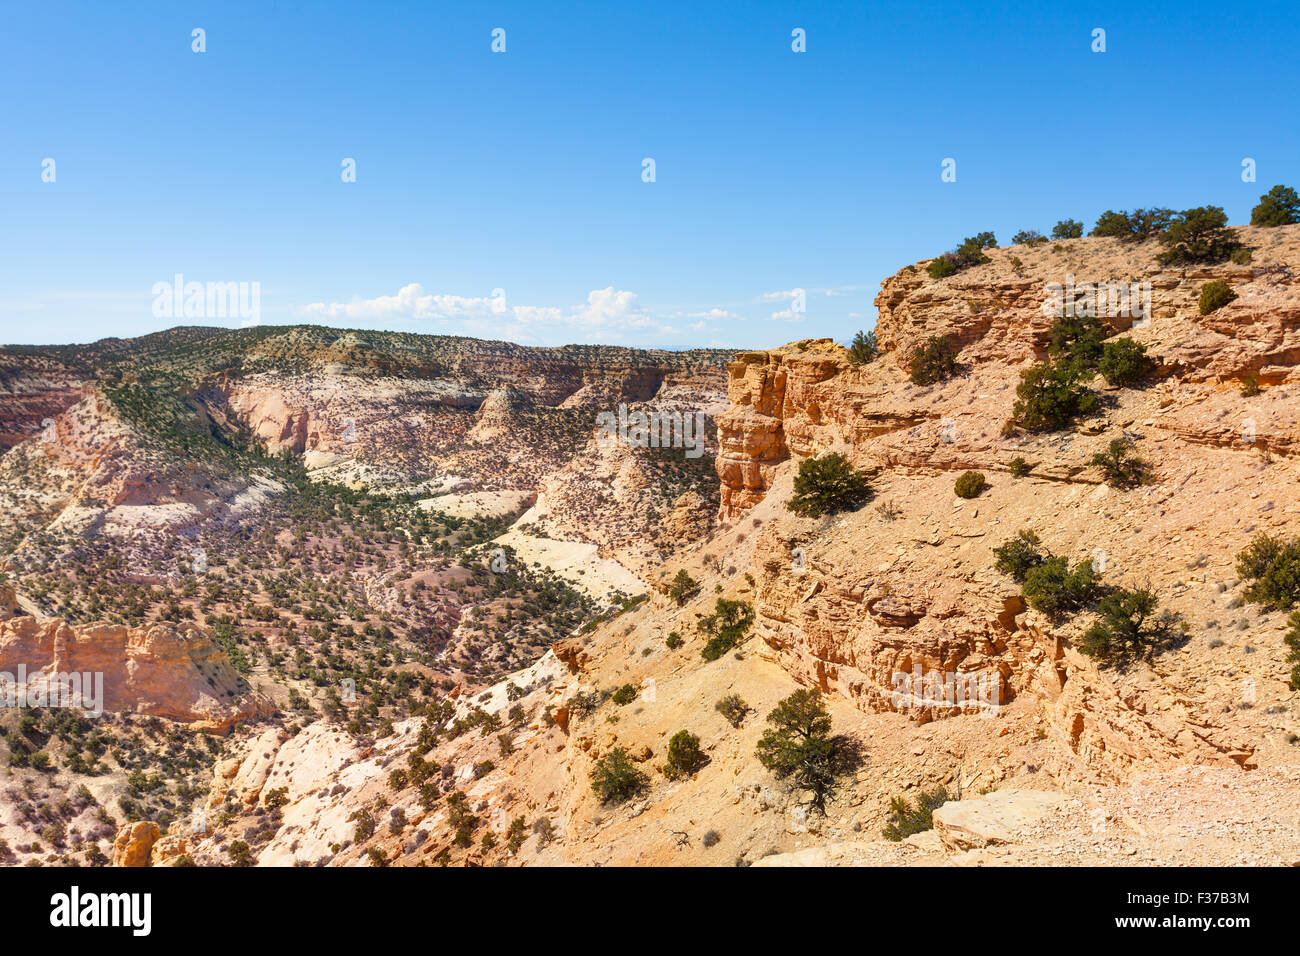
(1187, 757)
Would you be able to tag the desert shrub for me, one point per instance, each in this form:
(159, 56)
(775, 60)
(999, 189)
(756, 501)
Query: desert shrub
(624, 695)
(1056, 589)
(1075, 339)
(1028, 237)
(712, 838)
(969, 253)
(942, 267)
(1019, 467)
(732, 707)
(828, 484)
(1137, 226)
(1250, 385)
(1241, 256)
(616, 778)
(1280, 206)
(682, 586)
(1051, 396)
(726, 627)
(674, 641)
(935, 361)
(1214, 295)
(1198, 235)
(1067, 229)
(1292, 640)
(1271, 567)
(1019, 555)
(1120, 467)
(863, 348)
(240, 854)
(970, 484)
(1127, 628)
(799, 745)
(684, 755)
(1123, 361)
(905, 819)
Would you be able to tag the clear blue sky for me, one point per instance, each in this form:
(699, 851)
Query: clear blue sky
(522, 171)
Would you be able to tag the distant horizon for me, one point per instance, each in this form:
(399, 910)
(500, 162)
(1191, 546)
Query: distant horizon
(668, 178)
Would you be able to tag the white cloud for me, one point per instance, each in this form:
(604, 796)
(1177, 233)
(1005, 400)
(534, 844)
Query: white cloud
(785, 315)
(605, 309)
(716, 315)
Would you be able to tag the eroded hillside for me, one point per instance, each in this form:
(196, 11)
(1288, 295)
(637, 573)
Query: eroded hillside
(1080, 760)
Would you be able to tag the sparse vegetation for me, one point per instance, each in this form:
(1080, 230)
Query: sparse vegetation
(828, 484)
(1199, 235)
(734, 708)
(970, 484)
(799, 746)
(684, 755)
(935, 361)
(1280, 206)
(1214, 295)
(1128, 629)
(1123, 362)
(1120, 467)
(906, 819)
(863, 348)
(616, 778)
(1271, 569)
(726, 627)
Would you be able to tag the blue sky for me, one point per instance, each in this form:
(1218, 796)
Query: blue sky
(522, 171)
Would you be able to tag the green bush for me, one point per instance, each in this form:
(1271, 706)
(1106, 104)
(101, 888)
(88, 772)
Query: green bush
(682, 587)
(905, 820)
(942, 267)
(1271, 567)
(1292, 641)
(1120, 467)
(1075, 340)
(674, 641)
(1280, 206)
(1137, 226)
(1057, 590)
(684, 755)
(726, 627)
(1128, 629)
(1019, 555)
(800, 746)
(1019, 467)
(969, 253)
(1214, 295)
(624, 695)
(734, 708)
(1250, 385)
(935, 361)
(1028, 237)
(970, 484)
(1123, 362)
(1198, 235)
(828, 484)
(863, 348)
(1067, 229)
(1049, 397)
(615, 778)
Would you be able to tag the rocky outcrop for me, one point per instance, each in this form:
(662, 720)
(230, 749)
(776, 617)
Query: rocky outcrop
(178, 673)
(134, 843)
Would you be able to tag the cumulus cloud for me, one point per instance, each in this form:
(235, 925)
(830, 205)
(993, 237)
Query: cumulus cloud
(605, 309)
